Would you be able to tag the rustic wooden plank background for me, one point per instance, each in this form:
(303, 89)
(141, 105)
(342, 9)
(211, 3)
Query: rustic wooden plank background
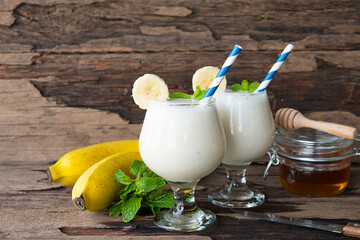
(87, 53)
(66, 72)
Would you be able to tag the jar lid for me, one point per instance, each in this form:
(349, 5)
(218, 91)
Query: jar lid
(311, 145)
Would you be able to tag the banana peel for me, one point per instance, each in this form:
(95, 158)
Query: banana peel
(97, 187)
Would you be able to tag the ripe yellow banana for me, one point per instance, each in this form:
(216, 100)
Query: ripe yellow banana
(204, 76)
(149, 87)
(70, 166)
(97, 187)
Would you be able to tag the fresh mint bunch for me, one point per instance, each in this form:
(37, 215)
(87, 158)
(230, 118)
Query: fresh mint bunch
(199, 94)
(245, 86)
(144, 189)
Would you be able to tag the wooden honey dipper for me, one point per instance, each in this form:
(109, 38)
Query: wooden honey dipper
(289, 118)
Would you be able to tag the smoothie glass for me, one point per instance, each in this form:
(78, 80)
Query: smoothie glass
(250, 131)
(183, 141)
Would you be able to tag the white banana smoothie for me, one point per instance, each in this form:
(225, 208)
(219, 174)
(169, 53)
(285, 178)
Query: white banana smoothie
(248, 124)
(182, 140)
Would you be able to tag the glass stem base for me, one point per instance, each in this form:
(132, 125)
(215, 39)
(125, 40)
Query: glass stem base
(235, 193)
(184, 215)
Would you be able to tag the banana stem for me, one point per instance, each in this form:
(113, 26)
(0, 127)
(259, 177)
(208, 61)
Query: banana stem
(80, 202)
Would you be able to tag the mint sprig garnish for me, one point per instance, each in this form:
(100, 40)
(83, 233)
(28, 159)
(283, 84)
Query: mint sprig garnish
(199, 93)
(179, 95)
(236, 87)
(245, 87)
(144, 189)
(253, 86)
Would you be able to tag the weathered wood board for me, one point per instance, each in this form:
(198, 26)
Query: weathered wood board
(88, 53)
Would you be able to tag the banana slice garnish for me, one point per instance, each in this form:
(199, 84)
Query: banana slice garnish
(149, 87)
(204, 76)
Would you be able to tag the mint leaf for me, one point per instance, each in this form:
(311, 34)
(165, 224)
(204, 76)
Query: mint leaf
(121, 177)
(153, 175)
(199, 94)
(253, 86)
(245, 85)
(155, 194)
(116, 209)
(236, 87)
(147, 184)
(137, 168)
(164, 201)
(149, 174)
(128, 189)
(154, 210)
(146, 174)
(179, 95)
(130, 208)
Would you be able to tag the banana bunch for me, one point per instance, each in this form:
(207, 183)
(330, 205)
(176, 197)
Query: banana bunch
(91, 170)
(73, 164)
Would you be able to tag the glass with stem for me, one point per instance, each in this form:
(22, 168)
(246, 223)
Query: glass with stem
(250, 129)
(183, 141)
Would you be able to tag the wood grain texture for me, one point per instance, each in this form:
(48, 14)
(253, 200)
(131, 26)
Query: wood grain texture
(95, 50)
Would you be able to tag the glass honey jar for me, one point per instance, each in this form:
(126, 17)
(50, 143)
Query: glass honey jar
(312, 163)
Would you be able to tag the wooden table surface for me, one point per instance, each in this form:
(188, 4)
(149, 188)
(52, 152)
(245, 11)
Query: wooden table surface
(33, 209)
(33, 138)
(66, 73)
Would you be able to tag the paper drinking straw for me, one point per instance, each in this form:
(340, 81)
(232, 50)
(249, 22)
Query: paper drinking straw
(219, 77)
(274, 68)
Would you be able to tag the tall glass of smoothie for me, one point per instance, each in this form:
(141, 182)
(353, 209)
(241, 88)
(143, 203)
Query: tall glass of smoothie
(250, 130)
(183, 141)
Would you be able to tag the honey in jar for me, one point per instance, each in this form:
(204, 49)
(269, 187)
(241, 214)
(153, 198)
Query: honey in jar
(314, 179)
(313, 163)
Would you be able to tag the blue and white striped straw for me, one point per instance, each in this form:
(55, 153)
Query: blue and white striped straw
(274, 68)
(221, 74)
